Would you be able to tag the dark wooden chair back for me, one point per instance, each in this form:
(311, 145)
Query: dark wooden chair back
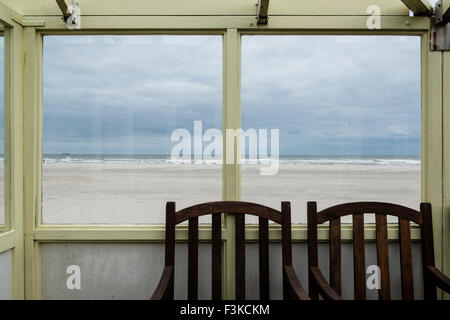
(317, 282)
(216, 209)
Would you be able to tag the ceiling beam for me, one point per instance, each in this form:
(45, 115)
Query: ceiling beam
(445, 10)
(261, 11)
(9, 16)
(440, 27)
(442, 12)
(419, 7)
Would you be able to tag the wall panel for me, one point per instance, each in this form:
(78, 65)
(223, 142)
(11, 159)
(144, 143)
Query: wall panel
(5, 275)
(117, 270)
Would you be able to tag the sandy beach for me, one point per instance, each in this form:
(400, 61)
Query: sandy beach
(127, 193)
(2, 194)
(331, 185)
(106, 193)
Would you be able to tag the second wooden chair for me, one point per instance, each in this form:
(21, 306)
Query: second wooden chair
(432, 277)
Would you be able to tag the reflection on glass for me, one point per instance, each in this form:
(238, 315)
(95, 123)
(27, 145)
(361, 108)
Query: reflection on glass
(2, 130)
(348, 111)
(111, 104)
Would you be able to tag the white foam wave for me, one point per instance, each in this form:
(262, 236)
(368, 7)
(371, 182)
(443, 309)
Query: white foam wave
(282, 160)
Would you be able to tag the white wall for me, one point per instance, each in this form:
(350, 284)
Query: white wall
(300, 262)
(132, 271)
(117, 271)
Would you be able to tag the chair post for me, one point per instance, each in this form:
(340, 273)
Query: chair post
(429, 288)
(216, 257)
(193, 259)
(286, 244)
(240, 256)
(170, 242)
(313, 260)
(264, 278)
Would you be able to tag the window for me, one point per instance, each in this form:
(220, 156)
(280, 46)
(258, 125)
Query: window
(110, 107)
(348, 111)
(2, 133)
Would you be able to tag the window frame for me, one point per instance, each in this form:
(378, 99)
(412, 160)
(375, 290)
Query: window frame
(6, 226)
(432, 170)
(12, 239)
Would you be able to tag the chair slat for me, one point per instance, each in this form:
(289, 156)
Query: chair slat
(384, 292)
(286, 240)
(359, 263)
(216, 256)
(286, 243)
(335, 254)
(193, 259)
(264, 287)
(406, 260)
(313, 251)
(240, 256)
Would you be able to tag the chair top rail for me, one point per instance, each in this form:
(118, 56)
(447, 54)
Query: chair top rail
(228, 207)
(385, 208)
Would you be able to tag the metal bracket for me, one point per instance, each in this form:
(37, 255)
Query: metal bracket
(262, 7)
(440, 29)
(441, 16)
(440, 37)
(71, 14)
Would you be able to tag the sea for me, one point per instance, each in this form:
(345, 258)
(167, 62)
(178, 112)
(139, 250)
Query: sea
(378, 160)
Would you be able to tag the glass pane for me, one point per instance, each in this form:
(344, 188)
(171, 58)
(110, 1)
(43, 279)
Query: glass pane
(111, 105)
(2, 132)
(348, 113)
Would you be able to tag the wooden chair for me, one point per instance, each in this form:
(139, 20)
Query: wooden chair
(291, 285)
(432, 278)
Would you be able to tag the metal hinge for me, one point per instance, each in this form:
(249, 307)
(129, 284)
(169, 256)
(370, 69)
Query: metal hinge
(440, 29)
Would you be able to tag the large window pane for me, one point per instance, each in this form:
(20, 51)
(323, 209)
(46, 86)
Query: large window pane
(348, 111)
(110, 106)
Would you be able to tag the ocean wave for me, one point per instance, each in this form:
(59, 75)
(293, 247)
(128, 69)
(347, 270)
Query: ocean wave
(355, 161)
(283, 160)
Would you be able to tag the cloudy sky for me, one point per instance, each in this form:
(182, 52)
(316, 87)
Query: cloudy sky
(126, 94)
(326, 95)
(334, 95)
